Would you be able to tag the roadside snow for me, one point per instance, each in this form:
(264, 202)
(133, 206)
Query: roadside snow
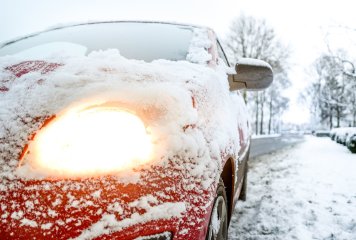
(303, 192)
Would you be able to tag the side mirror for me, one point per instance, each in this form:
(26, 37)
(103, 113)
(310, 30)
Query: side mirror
(252, 74)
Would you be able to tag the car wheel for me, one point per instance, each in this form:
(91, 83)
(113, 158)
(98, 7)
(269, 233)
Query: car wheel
(352, 146)
(218, 219)
(243, 192)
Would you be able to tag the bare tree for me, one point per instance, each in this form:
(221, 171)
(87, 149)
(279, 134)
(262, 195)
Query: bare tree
(346, 68)
(254, 38)
(331, 92)
(349, 82)
(277, 103)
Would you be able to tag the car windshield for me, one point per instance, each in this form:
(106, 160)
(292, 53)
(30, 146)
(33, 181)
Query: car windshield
(134, 40)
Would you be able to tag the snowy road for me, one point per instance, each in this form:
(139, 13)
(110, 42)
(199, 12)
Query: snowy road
(305, 192)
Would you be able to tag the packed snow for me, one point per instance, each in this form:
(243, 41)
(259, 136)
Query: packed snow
(109, 224)
(306, 191)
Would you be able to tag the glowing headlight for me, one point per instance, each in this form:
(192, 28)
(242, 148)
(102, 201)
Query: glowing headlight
(92, 141)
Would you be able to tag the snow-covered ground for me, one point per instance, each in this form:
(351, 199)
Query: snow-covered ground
(302, 192)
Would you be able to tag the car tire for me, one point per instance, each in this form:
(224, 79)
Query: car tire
(353, 150)
(218, 224)
(352, 147)
(243, 192)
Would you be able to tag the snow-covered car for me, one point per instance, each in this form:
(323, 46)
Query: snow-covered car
(122, 130)
(340, 134)
(351, 140)
(322, 133)
(333, 133)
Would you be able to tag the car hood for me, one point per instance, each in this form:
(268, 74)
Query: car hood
(183, 103)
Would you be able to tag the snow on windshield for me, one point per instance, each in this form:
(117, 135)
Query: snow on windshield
(52, 49)
(198, 50)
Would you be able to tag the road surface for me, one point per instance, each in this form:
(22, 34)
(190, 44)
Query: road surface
(263, 145)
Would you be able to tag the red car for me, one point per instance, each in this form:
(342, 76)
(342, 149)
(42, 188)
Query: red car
(122, 130)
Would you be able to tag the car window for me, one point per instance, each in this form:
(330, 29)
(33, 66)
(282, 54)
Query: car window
(134, 40)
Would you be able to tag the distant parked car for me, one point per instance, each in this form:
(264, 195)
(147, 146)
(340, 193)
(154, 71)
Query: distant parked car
(351, 140)
(342, 134)
(345, 136)
(322, 133)
(333, 133)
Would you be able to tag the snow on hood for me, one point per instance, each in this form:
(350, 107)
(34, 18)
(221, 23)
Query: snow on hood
(195, 116)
